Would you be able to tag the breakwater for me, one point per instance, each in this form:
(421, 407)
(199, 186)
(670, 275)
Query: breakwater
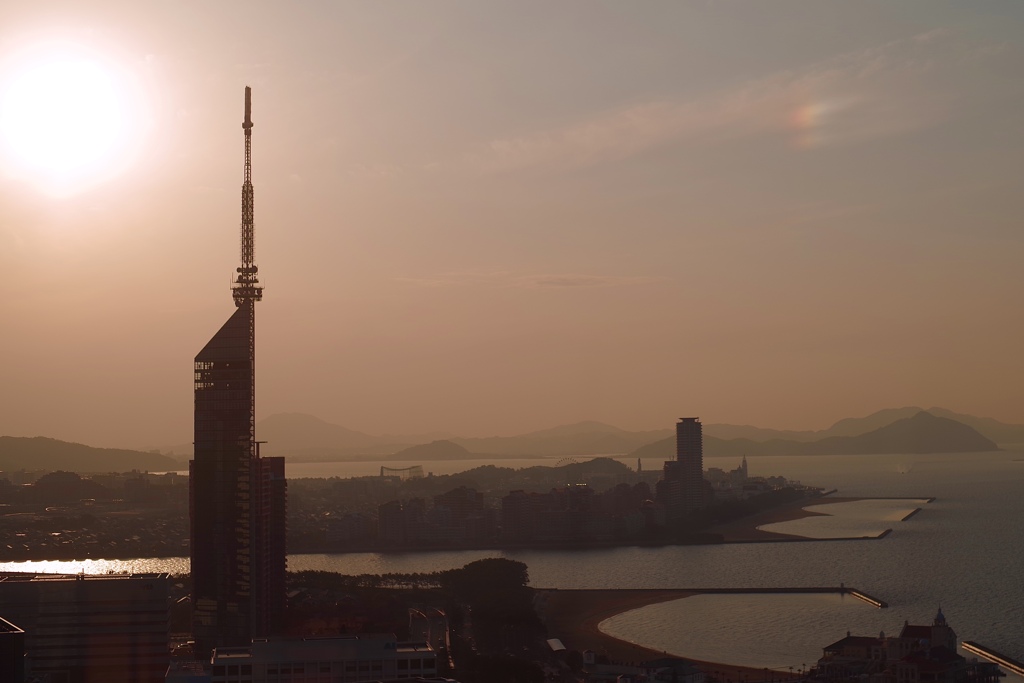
(988, 653)
(861, 595)
(841, 590)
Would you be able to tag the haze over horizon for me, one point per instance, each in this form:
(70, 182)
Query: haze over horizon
(489, 219)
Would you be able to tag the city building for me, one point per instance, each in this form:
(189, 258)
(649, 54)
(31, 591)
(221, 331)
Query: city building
(12, 652)
(919, 654)
(690, 456)
(337, 659)
(682, 488)
(90, 628)
(236, 498)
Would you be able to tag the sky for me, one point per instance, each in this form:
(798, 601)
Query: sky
(491, 218)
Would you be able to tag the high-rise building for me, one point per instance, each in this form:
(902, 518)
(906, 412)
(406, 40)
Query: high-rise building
(237, 499)
(82, 628)
(690, 459)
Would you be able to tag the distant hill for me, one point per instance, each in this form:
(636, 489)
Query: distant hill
(1000, 432)
(41, 453)
(919, 433)
(582, 438)
(435, 450)
(729, 431)
(585, 427)
(299, 431)
(856, 426)
(850, 426)
(305, 438)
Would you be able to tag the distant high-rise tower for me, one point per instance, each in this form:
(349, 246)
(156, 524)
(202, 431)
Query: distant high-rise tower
(237, 499)
(690, 459)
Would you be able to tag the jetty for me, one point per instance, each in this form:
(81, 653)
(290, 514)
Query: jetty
(861, 595)
(1008, 663)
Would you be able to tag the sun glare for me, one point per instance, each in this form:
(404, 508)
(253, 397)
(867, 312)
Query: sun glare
(65, 121)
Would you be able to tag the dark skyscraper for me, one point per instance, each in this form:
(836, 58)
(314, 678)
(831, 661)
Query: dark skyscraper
(690, 459)
(237, 499)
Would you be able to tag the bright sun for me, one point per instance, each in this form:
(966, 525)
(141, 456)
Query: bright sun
(65, 121)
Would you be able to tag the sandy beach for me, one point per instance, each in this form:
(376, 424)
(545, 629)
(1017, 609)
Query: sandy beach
(573, 616)
(745, 529)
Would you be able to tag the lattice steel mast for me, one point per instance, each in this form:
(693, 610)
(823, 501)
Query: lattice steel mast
(246, 288)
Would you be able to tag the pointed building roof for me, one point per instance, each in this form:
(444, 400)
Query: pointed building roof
(232, 340)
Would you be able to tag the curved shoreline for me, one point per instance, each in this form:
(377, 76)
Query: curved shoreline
(575, 616)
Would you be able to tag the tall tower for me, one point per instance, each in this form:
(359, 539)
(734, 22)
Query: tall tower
(237, 499)
(690, 459)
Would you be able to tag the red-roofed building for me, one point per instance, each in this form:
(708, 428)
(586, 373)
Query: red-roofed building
(920, 654)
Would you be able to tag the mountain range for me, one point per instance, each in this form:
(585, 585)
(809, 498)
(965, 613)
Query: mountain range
(305, 438)
(1000, 432)
(40, 453)
(921, 432)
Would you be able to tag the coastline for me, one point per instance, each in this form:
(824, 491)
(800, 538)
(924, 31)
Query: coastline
(574, 617)
(742, 530)
(745, 530)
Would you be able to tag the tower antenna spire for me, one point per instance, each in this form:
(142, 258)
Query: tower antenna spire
(246, 288)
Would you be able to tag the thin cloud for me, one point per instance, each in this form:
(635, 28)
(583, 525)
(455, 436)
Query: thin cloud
(503, 279)
(869, 94)
(590, 281)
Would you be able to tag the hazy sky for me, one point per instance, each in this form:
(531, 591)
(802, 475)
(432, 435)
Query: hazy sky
(493, 217)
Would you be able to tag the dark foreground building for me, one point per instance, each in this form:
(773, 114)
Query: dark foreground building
(12, 652)
(83, 628)
(237, 498)
(919, 654)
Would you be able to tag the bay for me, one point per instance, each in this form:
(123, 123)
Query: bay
(963, 552)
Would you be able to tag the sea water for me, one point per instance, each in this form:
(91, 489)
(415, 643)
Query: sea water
(964, 552)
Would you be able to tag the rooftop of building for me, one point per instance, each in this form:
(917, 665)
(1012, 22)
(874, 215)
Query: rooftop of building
(11, 577)
(853, 641)
(8, 627)
(189, 665)
(916, 631)
(364, 643)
